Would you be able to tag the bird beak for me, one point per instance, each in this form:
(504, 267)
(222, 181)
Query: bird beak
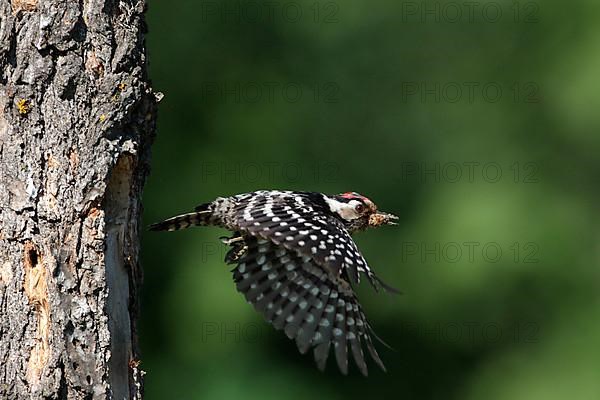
(381, 218)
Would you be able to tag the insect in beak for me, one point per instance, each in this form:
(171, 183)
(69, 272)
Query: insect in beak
(381, 218)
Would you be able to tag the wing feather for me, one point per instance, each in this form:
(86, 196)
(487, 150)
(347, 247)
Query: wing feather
(312, 305)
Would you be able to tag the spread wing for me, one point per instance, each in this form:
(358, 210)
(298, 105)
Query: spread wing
(289, 220)
(314, 306)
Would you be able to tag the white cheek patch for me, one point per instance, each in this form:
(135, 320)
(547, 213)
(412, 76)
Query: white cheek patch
(344, 210)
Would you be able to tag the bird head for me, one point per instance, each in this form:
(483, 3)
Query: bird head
(357, 212)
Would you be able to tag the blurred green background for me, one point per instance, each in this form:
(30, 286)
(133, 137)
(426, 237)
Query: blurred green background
(477, 124)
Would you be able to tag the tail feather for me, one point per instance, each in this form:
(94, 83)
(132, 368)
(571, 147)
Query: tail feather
(182, 221)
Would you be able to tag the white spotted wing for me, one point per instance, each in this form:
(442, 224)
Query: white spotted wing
(313, 305)
(288, 219)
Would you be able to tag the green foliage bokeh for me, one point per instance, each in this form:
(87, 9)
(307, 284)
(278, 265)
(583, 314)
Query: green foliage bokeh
(376, 97)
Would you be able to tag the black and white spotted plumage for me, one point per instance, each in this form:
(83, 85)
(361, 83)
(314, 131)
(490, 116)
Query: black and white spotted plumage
(294, 223)
(296, 263)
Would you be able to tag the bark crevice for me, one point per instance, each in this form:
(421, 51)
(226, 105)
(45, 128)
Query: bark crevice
(36, 290)
(116, 206)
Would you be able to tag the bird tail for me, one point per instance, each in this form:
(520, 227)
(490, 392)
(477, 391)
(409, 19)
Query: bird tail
(183, 221)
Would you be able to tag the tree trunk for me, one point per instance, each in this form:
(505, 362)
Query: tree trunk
(77, 117)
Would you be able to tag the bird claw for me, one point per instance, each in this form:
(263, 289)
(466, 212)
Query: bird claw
(230, 241)
(235, 254)
(238, 249)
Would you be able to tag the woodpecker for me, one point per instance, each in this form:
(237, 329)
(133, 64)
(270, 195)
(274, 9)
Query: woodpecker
(296, 263)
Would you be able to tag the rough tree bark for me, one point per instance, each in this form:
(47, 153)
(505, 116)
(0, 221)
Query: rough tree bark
(77, 116)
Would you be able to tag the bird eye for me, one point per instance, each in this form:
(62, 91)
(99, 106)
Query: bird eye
(359, 208)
